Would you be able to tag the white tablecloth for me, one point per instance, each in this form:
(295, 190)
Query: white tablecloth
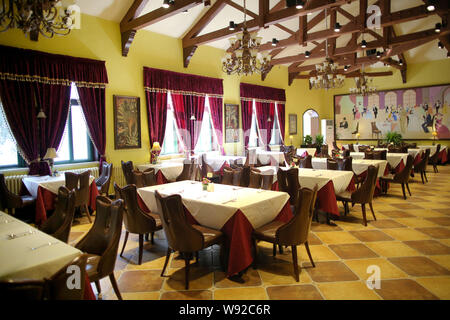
(52, 184)
(309, 178)
(19, 261)
(270, 157)
(170, 169)
(311, 151)
(432, 149)
(355, 146)
(393, 158)
(213, 209)
(358, 165)
(217, 161)
(414, 152)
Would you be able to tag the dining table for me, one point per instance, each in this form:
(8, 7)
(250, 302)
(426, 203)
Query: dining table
(45, 189)
(165, 171)
(270, 157)
(236, 211)
(396, 161)
(359, 166)
(28, 253)
(303, 152)
(328, 182)
(443, 152)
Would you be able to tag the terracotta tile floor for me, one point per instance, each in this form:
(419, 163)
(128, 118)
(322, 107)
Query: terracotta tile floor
(409, 242)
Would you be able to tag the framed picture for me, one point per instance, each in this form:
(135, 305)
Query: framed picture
(127, 122)
(231, 123)
(292, 124)
(415, 113)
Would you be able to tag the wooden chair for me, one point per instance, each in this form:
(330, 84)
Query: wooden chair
(102, 241)
(345, 164)
(288, 182)
(324, 151)
(293, 233)
(206, 168)
(245, 176)
(10, 201)
(332, 164)
(104, 180)
(422, 166)
(145, 178)
(363, 195)
(135, 220)
(305, 162)
(60, 222)
(188, 173)
(127, 168)
(227, 177)
(380, 155)
(80, 183)
(255, 179)
(346, 153)
(182, 236)
(401, 177)
(434, 159)
(267, 181)
(351, 147)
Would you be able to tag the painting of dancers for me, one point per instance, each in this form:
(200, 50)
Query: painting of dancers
(415, 113)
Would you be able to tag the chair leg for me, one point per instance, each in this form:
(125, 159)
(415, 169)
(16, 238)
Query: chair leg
(196, 256)
(407, 187)
(152, 241)
(403, 189)
(280, 249)
(371, 209)
(88, 213)
(363, 206)
(141, 247)
(309, 254)
(99, 289)
(124, 242)
(295, 262)
(274, 250)
(115, 286)
(169, 251)
(186, 270)
(425, 175)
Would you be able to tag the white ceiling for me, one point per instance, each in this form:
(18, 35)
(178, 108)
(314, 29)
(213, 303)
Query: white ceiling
(177, 26)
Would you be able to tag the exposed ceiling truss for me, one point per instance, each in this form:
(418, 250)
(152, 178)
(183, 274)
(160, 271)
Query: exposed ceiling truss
(385, 40)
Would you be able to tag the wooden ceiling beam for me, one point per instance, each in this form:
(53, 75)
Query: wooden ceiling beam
(127, 37)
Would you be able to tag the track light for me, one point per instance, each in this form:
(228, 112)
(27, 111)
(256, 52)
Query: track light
(364, 44)
(378, 54)
(400, 62)
(431, 6)
(232, 26)
(440, 45)
(438, 27)
(346, 68)
(274, 42)
(299, 4)
(448, 54)
(167, 3)
(307, 54)
(337, 27)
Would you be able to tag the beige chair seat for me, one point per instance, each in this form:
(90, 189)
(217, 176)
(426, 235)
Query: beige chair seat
(92, 266)
(344, 196)
(211, 236)
(268, 231)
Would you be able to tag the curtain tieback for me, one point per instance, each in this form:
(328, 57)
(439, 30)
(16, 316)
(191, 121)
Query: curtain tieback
(37, 160)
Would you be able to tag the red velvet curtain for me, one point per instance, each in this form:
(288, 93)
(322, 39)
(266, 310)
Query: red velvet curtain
(262, 93)
(194, 106)
(156, 115)
(246, 112)
(264, 112)
(181, 118)
(93, 103)
(216, 107)
(54, 101)
(281, 119)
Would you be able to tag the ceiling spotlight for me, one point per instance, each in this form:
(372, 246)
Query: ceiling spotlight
(299, 4)
(430, 5)
(378, 54)
(274, 42)
(232, 26)
(185, 11)
(440, 45)
(166, 4)
(400, 62)
(438, 27)
(337, 27)
(346, 68)
(448, 54)
(364, 44)
(307, 54)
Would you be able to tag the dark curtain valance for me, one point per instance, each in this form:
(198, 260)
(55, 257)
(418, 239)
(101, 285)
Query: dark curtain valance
(262, 94)
(35, 66)
(181, 83)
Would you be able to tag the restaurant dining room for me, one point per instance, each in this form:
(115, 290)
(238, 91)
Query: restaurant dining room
(224, 150)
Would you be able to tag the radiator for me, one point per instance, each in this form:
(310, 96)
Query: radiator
(117, 177)
(14, 182)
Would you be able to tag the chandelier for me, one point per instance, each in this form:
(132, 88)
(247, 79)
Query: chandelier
(34, 17)
(327, 76)
(245, 58)
(364, 85)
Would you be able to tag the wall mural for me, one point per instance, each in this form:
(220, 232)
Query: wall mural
(414, 113)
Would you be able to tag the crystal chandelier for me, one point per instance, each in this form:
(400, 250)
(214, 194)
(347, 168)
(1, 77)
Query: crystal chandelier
(245, 58)
(327, 76)
(364, 85)
(46, 17)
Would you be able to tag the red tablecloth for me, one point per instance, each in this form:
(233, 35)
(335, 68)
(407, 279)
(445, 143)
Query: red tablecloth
(443, 156)
(46, 201)
(417, 159)
(88, 292)
(238, 231)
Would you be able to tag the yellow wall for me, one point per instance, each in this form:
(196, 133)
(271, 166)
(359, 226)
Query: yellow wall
(100, 39)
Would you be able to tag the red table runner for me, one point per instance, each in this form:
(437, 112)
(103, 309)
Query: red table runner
(46, 201)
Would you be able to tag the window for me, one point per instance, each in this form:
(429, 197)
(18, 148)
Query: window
(172, 143)
(310, 123)
(206, 140)
(253, 139)
(75, 144)
(276, 133)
